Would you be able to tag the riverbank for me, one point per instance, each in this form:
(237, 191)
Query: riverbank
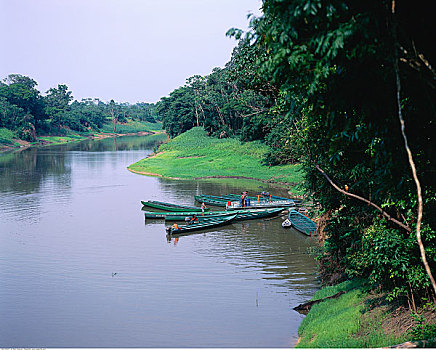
(360, 318)
(9, 142)
(194, 155)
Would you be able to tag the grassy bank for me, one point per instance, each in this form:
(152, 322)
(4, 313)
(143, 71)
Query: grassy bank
(194, 155)
(9, 141)
(7, 138)
(360, 319)
(132, 126)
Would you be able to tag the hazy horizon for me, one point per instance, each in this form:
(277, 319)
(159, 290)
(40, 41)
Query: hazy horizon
(130, 51)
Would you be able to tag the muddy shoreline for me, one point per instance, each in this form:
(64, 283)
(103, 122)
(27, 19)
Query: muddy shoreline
(26, 144)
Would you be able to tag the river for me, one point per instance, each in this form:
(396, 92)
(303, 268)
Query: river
(80, 267)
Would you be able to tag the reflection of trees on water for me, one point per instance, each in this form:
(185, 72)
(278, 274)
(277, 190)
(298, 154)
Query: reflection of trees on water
(281, 254)
(23, 172)
(47, 169)
(124, 143)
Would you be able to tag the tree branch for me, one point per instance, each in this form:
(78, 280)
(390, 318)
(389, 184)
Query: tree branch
(385, 214)
(409, 154)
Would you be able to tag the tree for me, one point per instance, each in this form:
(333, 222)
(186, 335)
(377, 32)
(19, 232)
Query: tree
(57, 103)
(114, 111)
(21, 92)
(335, 61)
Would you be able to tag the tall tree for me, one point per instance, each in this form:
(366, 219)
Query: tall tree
(114, 111)
(57, 103)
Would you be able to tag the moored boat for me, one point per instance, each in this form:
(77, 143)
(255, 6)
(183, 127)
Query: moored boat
(242, 214)
(170, 206)
(211, 200)
(254, 205)
(223, 200)
(181, 229)
(302, 223)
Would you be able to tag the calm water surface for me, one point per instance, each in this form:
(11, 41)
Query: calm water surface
(80, 267)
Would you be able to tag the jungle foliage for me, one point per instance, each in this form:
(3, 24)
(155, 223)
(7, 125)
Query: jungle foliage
(27, 113)
(316, 81)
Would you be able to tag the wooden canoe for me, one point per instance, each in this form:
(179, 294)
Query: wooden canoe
(211, 200)
(257, 205)
(302, 223)
(200, 226)
(243, 214)
(171, 207)
(224, 199)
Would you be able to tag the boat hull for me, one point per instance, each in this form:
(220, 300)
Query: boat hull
(256, 205)
(302, 223)
(171, 207)
(185, 229)
(246, 214)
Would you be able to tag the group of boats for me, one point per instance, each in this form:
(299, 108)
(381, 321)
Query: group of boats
(199, 218)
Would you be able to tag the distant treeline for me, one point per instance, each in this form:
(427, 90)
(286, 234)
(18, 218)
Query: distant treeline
(327, 84)
(26, 112)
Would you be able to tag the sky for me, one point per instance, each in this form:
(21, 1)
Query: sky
(126, 50)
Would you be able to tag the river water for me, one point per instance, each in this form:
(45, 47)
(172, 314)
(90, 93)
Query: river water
(80, 267)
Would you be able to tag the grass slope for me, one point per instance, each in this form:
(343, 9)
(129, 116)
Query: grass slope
(132, 126)
(193, 155)
(6, 137)
(343, 322)
(7, 141)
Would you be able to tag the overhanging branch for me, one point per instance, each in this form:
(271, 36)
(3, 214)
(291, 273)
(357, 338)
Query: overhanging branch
(385, 214)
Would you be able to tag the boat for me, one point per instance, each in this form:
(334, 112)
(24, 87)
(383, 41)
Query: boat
(256, 205)
(257, 214)
(242, 214)
(210, 200)
(181, 229)
(265, 197)
(302, 223)
(223, 200)
(171, 207)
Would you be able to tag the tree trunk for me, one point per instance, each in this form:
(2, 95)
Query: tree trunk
(409, 153)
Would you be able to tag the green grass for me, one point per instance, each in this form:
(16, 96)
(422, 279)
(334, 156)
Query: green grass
(132, 126)
(55, 140)
(6, 136)
(194, 154)
(337, 323)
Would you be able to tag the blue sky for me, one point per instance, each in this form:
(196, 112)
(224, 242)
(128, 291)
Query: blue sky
(128, 50)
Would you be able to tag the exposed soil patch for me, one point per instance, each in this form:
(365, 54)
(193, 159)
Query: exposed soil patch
(111, 134)
(26, 144)
(396, 321)
(143, 173)
(154, 155)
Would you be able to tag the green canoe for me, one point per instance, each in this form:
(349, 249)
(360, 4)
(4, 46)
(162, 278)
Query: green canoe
(222, 200)
(257, 205)
(170, 206)
(243, 214)
(302, 223)
(211, 200)
(231, 201)
(200, 226)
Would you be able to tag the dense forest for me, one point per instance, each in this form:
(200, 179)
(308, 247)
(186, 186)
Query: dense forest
(25, 112)
(347, 89)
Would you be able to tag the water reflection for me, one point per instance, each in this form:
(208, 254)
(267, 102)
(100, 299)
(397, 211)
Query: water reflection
(76, 258)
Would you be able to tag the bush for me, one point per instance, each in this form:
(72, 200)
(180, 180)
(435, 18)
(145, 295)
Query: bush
(6, 136)
(390, 259)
